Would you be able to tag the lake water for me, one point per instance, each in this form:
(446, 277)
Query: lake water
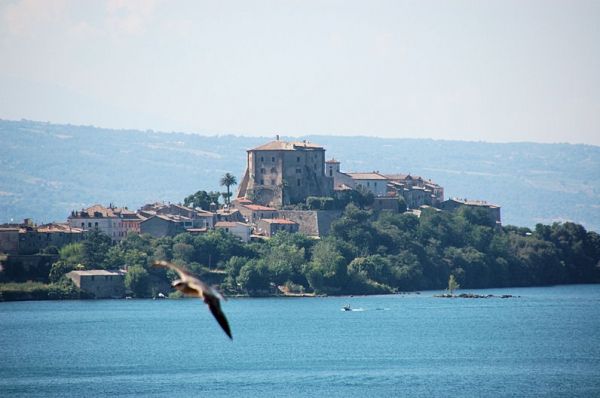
(544, 343)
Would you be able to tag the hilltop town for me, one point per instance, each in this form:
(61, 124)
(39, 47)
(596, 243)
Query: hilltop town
(287, 187)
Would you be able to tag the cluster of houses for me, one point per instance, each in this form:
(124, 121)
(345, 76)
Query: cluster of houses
(279, 174)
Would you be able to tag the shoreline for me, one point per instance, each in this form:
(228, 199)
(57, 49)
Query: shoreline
(442, 293)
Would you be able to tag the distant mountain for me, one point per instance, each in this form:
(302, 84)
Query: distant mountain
(47, 170)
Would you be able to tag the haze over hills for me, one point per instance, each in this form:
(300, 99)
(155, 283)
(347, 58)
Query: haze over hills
(47, 170)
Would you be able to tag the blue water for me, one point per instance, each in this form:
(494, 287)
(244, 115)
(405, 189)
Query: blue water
(545, 343)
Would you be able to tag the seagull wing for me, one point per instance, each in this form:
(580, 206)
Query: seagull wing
(215, 308)
(182, 272)
(196, 287)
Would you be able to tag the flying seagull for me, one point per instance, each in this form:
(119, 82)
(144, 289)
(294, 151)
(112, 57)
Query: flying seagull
(190, 285)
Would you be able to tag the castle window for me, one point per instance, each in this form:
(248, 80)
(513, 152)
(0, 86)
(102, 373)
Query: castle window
(273, 170)
(330, 172)
(273, 159)
(298, 181)
(272, 182)
(298, 170)
(262, 182)
(262, 171)
(262, 159)
(298, 159)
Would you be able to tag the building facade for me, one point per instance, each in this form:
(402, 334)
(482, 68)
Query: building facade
(280, 173)
(270, 226)
(252, 213)
(373, 181)
(100, 283)
(241, 230)
(492, 211)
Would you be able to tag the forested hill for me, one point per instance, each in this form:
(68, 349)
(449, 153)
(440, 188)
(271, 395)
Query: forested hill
(46, 170)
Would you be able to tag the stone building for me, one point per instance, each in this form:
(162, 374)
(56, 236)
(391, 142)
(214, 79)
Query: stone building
(26, 239)
(314, 223)
(9, 240)
(241, 230)
(270, 226)
(280, 173)
(372, 181)
(416, 190)
(492, 211)
(100, 283)
(116, 222)
(252, 213)
(166, 225)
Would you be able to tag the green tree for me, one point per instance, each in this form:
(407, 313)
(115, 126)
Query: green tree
(254, 277)
(402, 204)
(137, 280)
(327, 272)
(72, 254)
(364, 197)
(183, 251)
(95, 248)
(452, 284)
(201, 199)
(227, 181)
(58, 270)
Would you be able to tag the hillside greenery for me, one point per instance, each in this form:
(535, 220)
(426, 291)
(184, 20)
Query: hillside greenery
(47, 170)
(366, 253)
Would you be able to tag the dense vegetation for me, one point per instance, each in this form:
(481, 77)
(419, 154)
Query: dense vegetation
(534, 183)
(366, 253)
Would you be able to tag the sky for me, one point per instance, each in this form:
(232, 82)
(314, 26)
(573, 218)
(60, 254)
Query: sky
(497, 71)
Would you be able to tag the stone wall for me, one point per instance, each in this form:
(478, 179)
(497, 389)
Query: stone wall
(312, 222)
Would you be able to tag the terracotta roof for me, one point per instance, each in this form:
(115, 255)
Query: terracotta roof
(98, 272)
(53, 228)
(467, 202)
(367, 176)
(170, 217)
(286, 146)
(332, 161)
(278, 221)
(203, 213)
(91, 212)
(342, 187)
(397, 176)
(400, 177)
(229, 224)
(227, 211)
(259, 208)
(196, 230)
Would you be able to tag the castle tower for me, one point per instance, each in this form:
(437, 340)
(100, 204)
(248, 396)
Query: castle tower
(280, 173)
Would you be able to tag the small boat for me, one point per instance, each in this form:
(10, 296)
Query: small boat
(159, 296)
(347, 308)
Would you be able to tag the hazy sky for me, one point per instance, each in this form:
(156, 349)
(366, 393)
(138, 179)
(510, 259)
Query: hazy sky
(475, 70)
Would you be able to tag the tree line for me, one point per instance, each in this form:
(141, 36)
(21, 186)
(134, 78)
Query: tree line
(366, 253)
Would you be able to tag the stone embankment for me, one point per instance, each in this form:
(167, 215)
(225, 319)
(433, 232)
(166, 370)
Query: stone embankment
(473, 295)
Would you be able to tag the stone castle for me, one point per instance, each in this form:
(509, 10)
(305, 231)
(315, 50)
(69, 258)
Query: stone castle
(280, 173)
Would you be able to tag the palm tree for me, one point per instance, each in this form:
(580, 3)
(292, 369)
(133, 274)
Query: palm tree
(228, 180)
